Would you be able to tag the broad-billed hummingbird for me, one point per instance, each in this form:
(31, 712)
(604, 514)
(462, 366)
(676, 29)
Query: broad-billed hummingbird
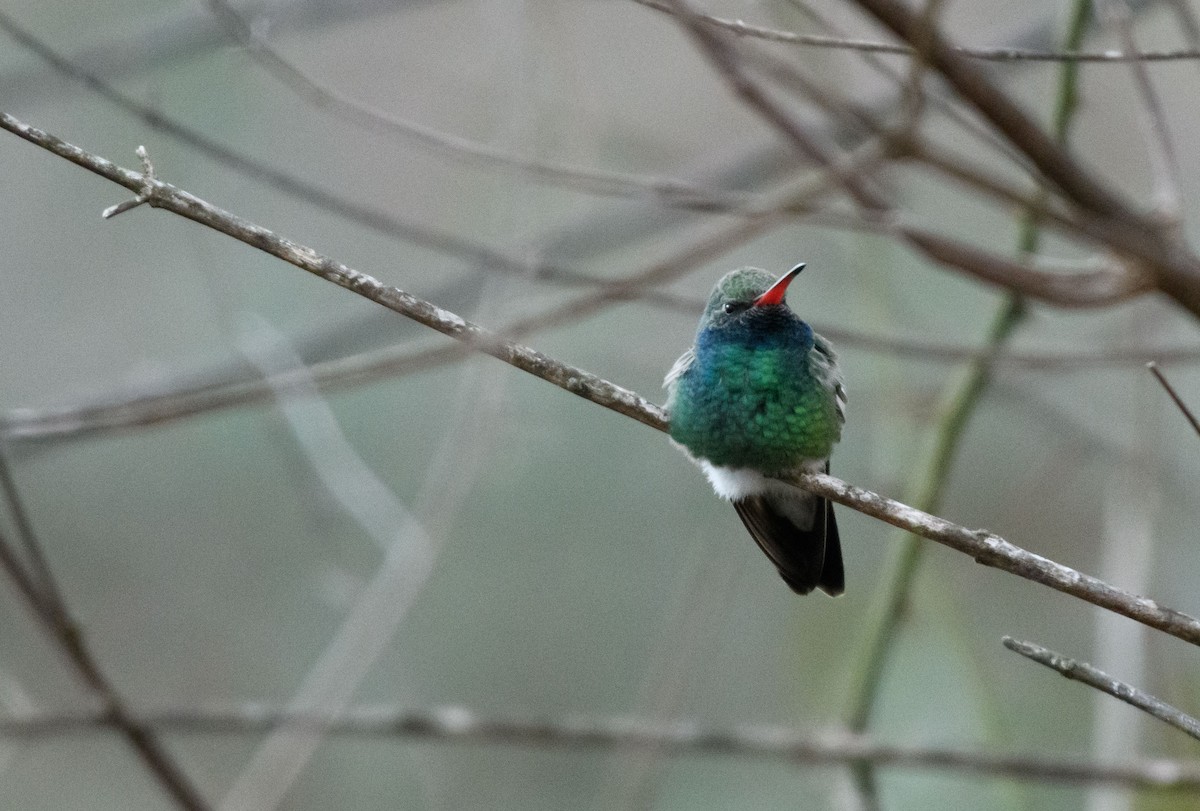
(760, 395)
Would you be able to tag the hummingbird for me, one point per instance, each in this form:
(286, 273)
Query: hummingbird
(760, 396)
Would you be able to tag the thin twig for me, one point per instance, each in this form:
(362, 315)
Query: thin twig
(48, 606)
(293, 186)
(1094, 677)
(1000, 54)
(1174, 395)
(453, 724)
(1164, 160)
(985, 547)
(1176, 270)
(668, 191)
(371, 621)
(1095, 288)
(177, 399)
(43, 585)
(961, 405)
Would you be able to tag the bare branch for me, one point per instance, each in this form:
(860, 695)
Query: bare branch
(1001, 54)
(1164, 161)
(990, 549)
(1176, 269)
(1094, 677)
(178, 399)
(668, 191)
(987, 548)
(460, 725)
(1174, 395)
(48, 605)
(1087, 289)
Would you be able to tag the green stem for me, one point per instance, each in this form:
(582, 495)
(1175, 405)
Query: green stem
(928, 498)
(960, 407)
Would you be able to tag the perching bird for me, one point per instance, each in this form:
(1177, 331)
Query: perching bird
(760, 395)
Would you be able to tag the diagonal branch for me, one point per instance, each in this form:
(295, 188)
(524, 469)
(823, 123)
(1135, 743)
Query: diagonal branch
(1174, 395)
(866, 46)
(987, 548)
(1082, 289)
(1094, 677)
(49, 607)
(670, 191)
(1176, 270)
(1164, 158)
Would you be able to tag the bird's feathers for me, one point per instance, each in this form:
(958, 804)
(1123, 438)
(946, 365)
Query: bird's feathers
(758, 397)
(806, 558)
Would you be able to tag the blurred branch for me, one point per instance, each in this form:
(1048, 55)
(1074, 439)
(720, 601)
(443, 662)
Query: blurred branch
(176, 399)
(959, 408)
(283, 182)
(1176, 270)
(667, 191)
(42, 582)
(370, 622)
(985, 547)
(1174, 395)
(173, 400)
(1164, 161)
(1001, 54)
(163, 36)
(349, 209)
(806, 142)
(937, 100)
(41, 593)
(170, 198)
(460, 725)
(1081, 289)
(1060, 286)
(1093, 677)
(891, 608)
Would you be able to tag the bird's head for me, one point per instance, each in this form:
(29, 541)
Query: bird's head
(747, 296)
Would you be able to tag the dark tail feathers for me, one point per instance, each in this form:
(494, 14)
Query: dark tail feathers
(806, 559)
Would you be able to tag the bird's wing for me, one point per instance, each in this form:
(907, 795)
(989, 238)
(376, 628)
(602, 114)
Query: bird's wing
(824, 364)
(682, 365)
(799, 554)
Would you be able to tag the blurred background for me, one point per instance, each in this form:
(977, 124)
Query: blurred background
(455, 538)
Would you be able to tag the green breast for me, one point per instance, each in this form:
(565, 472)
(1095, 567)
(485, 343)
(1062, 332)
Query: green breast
(754, 406)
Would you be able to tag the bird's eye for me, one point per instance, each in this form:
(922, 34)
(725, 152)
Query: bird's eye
(732, 307)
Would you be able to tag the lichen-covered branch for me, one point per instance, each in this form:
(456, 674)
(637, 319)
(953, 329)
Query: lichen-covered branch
(987, 548)
(1094, 677)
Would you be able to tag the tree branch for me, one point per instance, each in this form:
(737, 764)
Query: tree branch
(451, 724)
(1176, 269)
(1174, 395)
(1094, 677)
(51, 610)
(668, 191)
(999, 54)
(1082, 289)
(987, 548)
